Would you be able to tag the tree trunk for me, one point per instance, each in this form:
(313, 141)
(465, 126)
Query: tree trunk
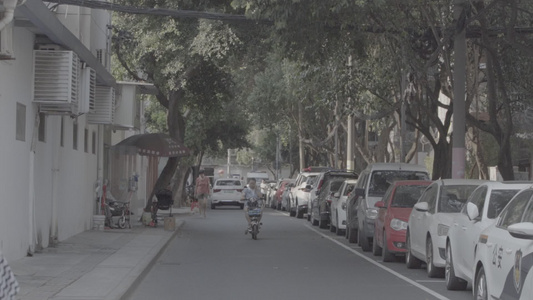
(441, 163)
(179, 181)
(176, 129)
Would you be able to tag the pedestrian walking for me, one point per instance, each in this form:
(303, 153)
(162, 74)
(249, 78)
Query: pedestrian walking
(202, 191)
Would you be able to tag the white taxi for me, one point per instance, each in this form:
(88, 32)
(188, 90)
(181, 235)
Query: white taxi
(481, 210)
(504, 253)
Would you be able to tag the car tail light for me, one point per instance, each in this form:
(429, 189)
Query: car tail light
(216, 190)
(320, 184)
(239, 190)
(329, 201)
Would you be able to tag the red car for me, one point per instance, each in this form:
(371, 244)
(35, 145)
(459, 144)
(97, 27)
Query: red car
(279, 193)
(390, 225)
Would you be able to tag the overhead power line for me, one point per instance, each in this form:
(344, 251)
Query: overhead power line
(156, 11)
(471, 31)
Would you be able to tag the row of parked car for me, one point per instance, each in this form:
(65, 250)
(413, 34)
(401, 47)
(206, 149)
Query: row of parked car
(468, 231)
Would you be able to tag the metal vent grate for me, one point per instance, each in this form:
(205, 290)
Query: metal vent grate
(56, 81)
(104, 106)
(87, 90)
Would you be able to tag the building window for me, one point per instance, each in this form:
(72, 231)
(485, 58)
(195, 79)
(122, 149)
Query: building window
(86, 141)
(75, 136)
(21, 122)
(62, 133)
(42, 127)
(94, 142)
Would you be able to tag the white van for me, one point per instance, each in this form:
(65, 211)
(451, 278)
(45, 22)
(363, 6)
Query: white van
(257, 175)
(372, 184)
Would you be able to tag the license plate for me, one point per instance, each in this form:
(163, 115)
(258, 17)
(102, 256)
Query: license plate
(228, 191)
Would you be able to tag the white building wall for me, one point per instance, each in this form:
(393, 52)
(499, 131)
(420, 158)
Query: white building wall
(15, 86)
(64, 178)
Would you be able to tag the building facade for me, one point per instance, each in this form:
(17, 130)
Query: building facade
(57, 117)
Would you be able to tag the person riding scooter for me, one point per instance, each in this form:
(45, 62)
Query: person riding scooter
(252, 196)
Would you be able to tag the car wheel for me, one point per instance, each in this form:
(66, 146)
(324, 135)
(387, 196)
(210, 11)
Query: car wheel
(431, 269)
(313, 220)
(365, 243)
(213, 206)
(292, 213)
(337, 230)
(309, 217)
(411, 261)
(480, 288)
(352, 235)
(242, 206)
(299, 213)
(322, 224)
(387, 255)
(376, 249)
(452, 282)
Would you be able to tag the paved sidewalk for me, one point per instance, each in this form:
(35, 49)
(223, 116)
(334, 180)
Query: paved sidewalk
(94, 265)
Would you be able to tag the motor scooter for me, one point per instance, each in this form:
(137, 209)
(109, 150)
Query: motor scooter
(118, 209)
(255, 211)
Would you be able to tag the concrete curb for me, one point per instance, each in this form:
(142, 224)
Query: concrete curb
(145, 267)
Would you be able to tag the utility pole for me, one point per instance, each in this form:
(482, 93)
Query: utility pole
(300, 135)
(350, 139)
(336, 128)
(349, 151)
(459, 90)
(228, 174)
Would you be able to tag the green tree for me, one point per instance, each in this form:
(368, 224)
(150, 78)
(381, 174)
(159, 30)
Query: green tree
(185, 60)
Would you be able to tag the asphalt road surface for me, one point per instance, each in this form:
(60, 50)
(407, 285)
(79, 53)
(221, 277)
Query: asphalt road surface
(212, 259)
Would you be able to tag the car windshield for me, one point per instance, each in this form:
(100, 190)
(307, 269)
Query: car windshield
(348, 189)
(381, 180)
(335, 186)
(453, 197)
(311, 179)
(228, 183)
(498, 200)
(407, 195)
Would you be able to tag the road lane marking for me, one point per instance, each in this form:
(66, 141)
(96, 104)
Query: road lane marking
(431, 281)
(404, 278)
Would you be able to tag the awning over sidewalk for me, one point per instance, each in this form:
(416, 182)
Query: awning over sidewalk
(152, 144)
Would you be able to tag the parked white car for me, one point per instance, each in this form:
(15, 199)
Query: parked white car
(430, 221)
(481, 210)
(504, 256)
(338, 206)
(227, 192)
(371, 187)
(299, 196)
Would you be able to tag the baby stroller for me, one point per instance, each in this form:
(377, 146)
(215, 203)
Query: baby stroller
(164, 202)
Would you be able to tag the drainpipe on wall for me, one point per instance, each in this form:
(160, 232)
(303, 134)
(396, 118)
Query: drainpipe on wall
(31, 186)
(9, 5)
(55, 179)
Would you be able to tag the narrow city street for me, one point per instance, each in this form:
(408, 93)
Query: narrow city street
(212, 258)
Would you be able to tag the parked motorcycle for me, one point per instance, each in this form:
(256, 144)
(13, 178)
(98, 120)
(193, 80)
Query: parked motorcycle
(118, 209)
(255, 211)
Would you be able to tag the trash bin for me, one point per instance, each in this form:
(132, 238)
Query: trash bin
(170, 223)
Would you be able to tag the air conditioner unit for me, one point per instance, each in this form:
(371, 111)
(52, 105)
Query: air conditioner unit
(104, 106)
(51, 47)
(127, 109)
(87, 90)
(6, 42)
(56, 81)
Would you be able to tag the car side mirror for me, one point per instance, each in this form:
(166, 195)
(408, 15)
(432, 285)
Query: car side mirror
(380, 204)
(308, 187)
(360, 192)
(337, 195)
(422, 206)
(472, 211)
(521, 230)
